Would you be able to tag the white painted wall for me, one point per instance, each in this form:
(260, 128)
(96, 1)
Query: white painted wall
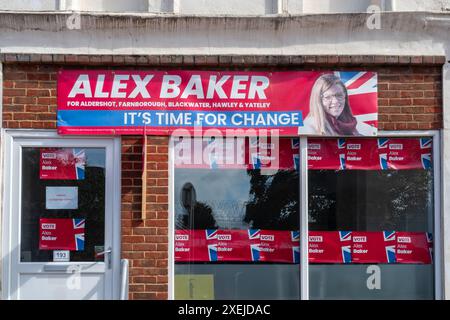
(400, 34)
(111, 5)
(327, 6)
(228, 7)
(421, 5)
(24, 5)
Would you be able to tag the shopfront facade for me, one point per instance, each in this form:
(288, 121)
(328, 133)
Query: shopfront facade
(325, 226)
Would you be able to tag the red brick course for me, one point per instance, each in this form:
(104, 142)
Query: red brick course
(141, 240)
(409, 98)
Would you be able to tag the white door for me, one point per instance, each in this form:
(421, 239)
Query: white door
(61, 217)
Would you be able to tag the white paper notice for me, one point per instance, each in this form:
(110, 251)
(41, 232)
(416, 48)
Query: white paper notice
(61, 198)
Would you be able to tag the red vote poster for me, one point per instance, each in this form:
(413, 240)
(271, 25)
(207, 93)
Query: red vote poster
(190, 245)
(278, 246)
(405, 153)
(62, 164)
(233, 245)
(362, 154)
(61, 234)
(414, 247)
(374, 247)
(329, 246)
(326, 154)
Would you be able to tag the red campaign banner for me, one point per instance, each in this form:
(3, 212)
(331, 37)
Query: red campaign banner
(236, 245)
(284, 246)
(62, 164)
(370, 154)
(61, 234)
(97, 102)
(329, 246)
(326, 154)
(362, 154)
(374, 247)
(405, 153)
(414, 247)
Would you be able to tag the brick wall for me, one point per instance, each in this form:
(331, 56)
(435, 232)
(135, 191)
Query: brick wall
(410, 98)
(145, 243)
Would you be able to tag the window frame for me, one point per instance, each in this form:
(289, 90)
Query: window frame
(303, 210)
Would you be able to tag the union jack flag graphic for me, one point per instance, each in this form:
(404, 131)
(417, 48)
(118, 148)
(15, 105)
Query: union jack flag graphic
(361, 88)
(426, 143)
(383, 161)
(391, 254)
(383, 143)
(296, 255)
(255, 250)
(78, 224)
(389, 235)
(212, 252)
(342, 144)
(295, 143)
(254, 234)
(342, 161)
(211, 234)
(345, 235)
(296, 160)
(295, 236)
(346, 254)
(426, 161)
(80, 163)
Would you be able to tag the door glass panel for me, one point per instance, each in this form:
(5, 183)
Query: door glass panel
(368, 202)
(60, 188)
(244, 206)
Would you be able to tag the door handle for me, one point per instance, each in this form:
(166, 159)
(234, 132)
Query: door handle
(106, 253)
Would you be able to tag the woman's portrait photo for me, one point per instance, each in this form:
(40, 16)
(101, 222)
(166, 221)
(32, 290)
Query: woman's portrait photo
(330, 113)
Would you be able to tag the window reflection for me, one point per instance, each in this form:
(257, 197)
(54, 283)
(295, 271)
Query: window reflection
(371, 200)
(237, 199)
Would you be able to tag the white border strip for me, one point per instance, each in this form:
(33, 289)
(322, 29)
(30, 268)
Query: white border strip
(1, 174)
(171, 224)
(303, 185)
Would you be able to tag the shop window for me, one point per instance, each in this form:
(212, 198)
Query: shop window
(67, 191)
(373, 200)
(371, 225)
(236, 220)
